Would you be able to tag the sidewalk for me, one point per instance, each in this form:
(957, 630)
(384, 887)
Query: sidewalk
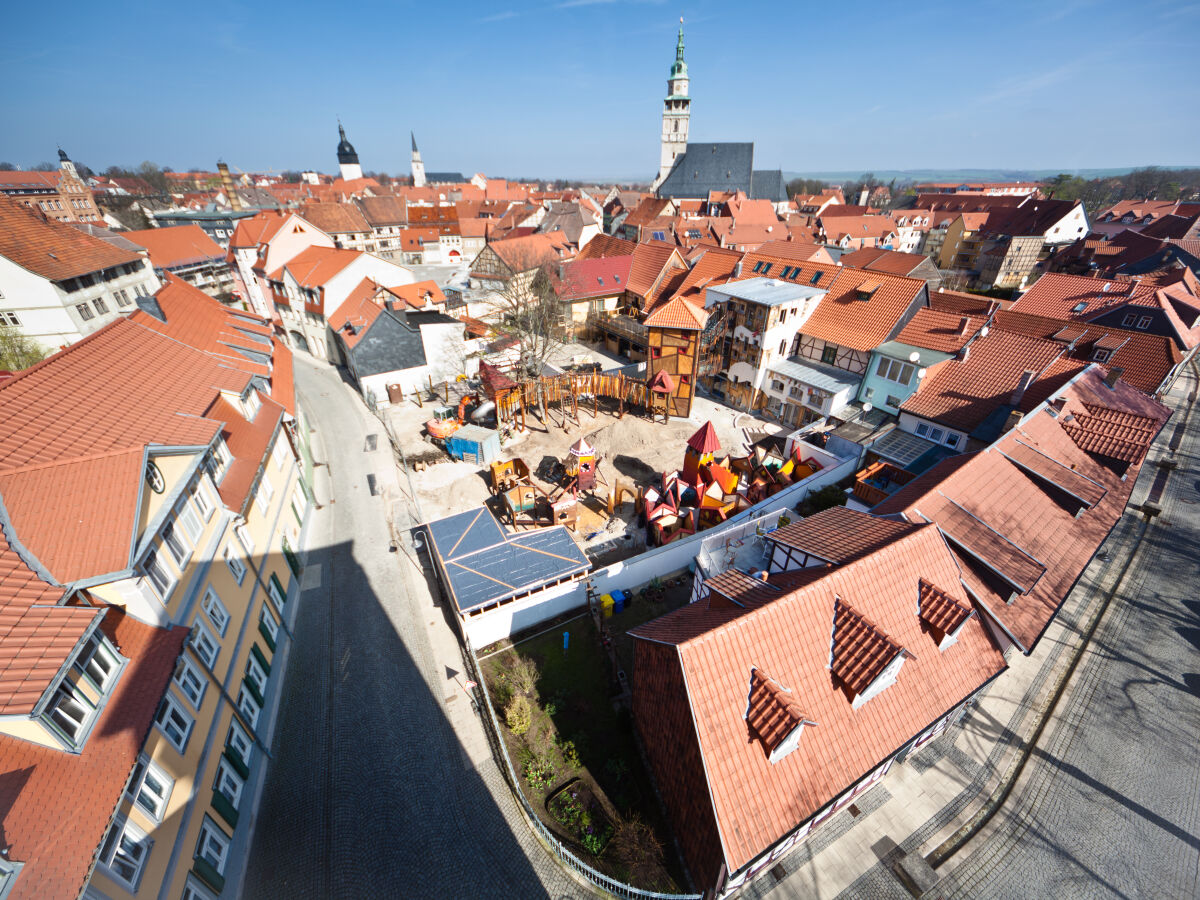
(926, 799)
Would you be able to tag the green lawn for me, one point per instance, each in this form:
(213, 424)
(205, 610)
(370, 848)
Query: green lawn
(572, 701)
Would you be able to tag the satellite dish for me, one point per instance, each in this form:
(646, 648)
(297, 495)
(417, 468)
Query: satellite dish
(868, 406)
(983, 332)
(921, 373)
(914, 356)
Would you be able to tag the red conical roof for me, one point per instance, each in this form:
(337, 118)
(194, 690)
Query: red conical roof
(705, 440)
(662, 383)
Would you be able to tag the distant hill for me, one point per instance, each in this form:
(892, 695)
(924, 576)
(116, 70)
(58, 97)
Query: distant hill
(922, 175)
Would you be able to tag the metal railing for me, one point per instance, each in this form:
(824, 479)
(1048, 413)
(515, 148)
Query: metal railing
(496, 738)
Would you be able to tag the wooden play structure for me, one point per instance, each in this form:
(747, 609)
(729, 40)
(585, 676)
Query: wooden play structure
(508, 473)
(527, 504)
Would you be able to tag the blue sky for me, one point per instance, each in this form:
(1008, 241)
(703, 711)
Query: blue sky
(573, 88)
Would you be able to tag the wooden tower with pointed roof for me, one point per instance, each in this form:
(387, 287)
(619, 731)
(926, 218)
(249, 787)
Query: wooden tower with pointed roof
(701, 450)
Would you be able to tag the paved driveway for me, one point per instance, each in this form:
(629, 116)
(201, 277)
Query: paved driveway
(371, 793)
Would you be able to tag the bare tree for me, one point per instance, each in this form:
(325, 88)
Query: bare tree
(528, 309)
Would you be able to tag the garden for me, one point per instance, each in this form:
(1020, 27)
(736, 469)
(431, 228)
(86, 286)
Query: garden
(572, 742)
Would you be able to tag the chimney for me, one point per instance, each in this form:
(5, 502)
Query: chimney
(737, 269)
(1022, 386)
(963, 324)
(763, 575)
(235, 202)
(1113, 376)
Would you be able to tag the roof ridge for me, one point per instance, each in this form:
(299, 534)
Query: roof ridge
(72, 460)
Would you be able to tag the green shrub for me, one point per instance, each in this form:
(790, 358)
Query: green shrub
(569, 754)
(539, 771)
(518, 716)
(523, 675)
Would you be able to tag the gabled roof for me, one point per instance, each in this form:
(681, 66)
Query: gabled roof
(312, 267)
(939, 609)
(705, 167)
(335, 218)
(532, 251)
(54, 250)
(178, 245)
(606, 245)
(861, 650)
(600, 277)
(651, 261)
(1114, 433)
(844, 317)
(880, 260)
(839, 535)
(771, 711)
(383, 211)
(715, 771)
(942, 331)
(677, 313)
(961, 303)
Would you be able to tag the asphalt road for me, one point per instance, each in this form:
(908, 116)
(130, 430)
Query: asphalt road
(1109, 805)
(370, 793)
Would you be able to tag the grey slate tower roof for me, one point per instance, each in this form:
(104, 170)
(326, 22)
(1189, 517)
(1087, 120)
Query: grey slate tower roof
(345, 150)
(414, 142)
(721, 167)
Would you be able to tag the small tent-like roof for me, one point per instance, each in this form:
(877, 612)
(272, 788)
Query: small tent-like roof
(662, 382)
(705, 440)
(582, 448)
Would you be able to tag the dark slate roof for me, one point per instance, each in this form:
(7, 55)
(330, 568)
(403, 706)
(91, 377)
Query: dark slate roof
(389, 345)
(430, 317)
(485, 564)
(768, 184)
(444, 178)
(710, 167)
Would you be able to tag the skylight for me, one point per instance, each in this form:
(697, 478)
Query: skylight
(816, 277)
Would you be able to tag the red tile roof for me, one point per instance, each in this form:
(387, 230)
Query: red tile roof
(879, 260)
(651, 263)
(677, 313)
(179, 245)
(599, 277)
(257, 230)
(861, 651)
(1114, 433)
(728, 802)
(249, 443)
(54, 250)
(57, 806)
(314, 266)
(521, 254)
(942, 331)
(606, 245)
(843, 317)
(839, 535)
(335, 218)
(940, 610)
(771, 711)
(705, 439)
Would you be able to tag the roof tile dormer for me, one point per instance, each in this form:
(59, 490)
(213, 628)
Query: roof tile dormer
(774, 716)
(862, 656)
(944, 615)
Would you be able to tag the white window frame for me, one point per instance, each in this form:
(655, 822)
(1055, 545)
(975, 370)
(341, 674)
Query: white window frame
(69, 693)
(248, 706)
(190, 681)
(227, 776)
(235, 564)
(251, 404)
(263, 494)
(149, 565)
(215, 610)
(200, 632)
(194, 889)
(98, 647)
(211, 832)
(203, 501)
(185, 545)
(268, 621)
(255, 673)
(278, 453)
(121, 829)
(280, 602)
(244, 538)
(237, 735)
(169, 705)
(192, 526)
(922, 429)
(157, 804)
(221, 459)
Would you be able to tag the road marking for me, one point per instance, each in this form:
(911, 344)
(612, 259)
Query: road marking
(372, 441)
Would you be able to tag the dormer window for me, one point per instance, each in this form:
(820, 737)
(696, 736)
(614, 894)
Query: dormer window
(941, 614)
(862, 656)
(774, 716)
(219, 459)
(250, 404)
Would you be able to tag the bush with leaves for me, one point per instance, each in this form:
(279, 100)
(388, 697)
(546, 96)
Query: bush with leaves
(569, 754)
(539, 771)
(518, 715)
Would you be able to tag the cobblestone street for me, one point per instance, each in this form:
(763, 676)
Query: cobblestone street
(371, 793)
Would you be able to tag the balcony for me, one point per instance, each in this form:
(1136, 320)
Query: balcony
(878, 481)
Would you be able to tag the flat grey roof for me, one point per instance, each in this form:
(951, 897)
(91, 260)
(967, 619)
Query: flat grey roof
(766, 291)
(818, 375)
(484, 564)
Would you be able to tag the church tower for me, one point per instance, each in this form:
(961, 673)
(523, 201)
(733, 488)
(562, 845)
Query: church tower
(677, 111)
(347, 158)
(418, 167)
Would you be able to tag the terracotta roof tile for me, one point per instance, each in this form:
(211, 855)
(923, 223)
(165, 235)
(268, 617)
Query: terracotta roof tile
(248, 442)
(677, 313)
(940, 610)
(705, 439)
(839, 535)
(178, 245)
(861, 651)
(335, 218)
(598, 277)
(942, 331)
(314, 266)
(771, 711)
(52, 249)
(877, 259)
(57, 806)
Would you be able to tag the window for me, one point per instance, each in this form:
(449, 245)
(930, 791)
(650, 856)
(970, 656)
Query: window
(279, 452)
(150, 788)
(922, 429)
(787, 270)
(1100, 355)
(125, 851)
(97, 662)
(936, 434)
(896, 371)
(122, 297)
(194, 890)
(270, 626)
(251, 404)
(228, 783)
(179, 549)
(816, 277)
(767, 268)
(191, 683)
(215, 610)
(204, 643)
(829, 354)
(275, 589)
(203, 502)
(254, 671)
(783, 348)
(191, 522)
(894, 401)
(236, 566)
(248, 706)
(219, 459)
(7, 318)
(952, 440)
(263, 494)
(162, 580)
(239, 743)
(213, 846)
(244, 538)
(1129, 320)
(85, 311)
(71, 712)
(101, 306)
(174, 722)
(1143, 323)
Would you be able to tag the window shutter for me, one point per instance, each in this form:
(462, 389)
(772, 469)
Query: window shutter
(237, 762)
(262, 629)
(262, 659)
(227, 810)
(206, 873)
(281, 592)
(253, 689)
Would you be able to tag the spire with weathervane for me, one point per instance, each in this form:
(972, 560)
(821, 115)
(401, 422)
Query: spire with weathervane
(418, 167)
(677, 111)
